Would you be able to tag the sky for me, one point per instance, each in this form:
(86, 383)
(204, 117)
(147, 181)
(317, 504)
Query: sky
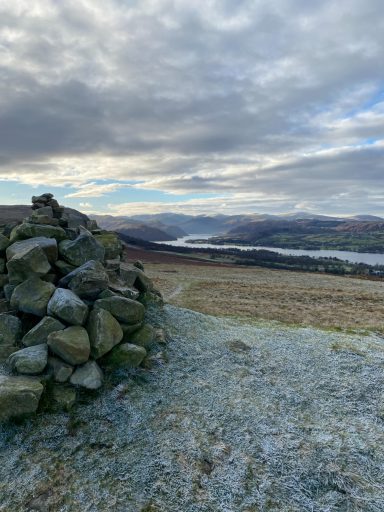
(126, 107)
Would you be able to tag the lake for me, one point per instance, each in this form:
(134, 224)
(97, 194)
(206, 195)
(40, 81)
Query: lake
(354, 257)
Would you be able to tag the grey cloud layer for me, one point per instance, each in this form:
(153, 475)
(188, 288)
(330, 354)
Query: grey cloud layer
(205, 96)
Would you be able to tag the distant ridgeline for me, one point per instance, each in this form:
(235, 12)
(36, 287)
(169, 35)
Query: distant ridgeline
(70, 309)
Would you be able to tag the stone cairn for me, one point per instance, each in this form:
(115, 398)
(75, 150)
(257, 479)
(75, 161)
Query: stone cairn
(70, 308)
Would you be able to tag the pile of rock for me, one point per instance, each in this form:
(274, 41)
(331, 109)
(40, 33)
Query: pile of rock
(71, 308)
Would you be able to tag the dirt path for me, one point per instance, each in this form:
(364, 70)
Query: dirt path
(174, 293)
(241, 418)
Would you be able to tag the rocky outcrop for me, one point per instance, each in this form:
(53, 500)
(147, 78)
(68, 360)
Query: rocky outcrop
(72, 310)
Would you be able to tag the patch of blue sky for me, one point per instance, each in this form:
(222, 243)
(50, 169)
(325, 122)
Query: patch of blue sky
(369, 142)
(14, 192)
(367, 105)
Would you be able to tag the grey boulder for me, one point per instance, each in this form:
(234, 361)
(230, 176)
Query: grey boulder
(28, 262)
(27, 230)
(125, 355)
(88, 376)
(60, 370)
(104, 332)
(30, 360)
(87, 281)
(71, 344)
(124, 310)
(40, 332)
(19, 396)
(84, 248)
(48, 245)
(134, 277)
(144, 337)
(32, 296)
(68, 307)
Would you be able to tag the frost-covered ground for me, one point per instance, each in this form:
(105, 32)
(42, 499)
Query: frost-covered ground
(242, 418)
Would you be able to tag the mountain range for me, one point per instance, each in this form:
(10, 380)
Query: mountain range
(169, 226)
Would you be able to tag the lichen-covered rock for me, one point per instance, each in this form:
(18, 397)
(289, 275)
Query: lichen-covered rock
(120, 288)
(124, 310)
(4, 242)
(48, 245)
(71, 344)
(104, 332)
(63, 397)
(40, 332)
(63, 267)
(84, 248)
(10, 334)
(125, 355)
(111, 243)
(46, 210)
(28, 262)
(27, 230)
(134, 277)
(144, 337)
(105, 294)
(87, 281)
(60, 370)
(30, 360)
(88, 376)
(129, 329)
(68, 307)
(37, 218)
(32, 296)
(19, 396)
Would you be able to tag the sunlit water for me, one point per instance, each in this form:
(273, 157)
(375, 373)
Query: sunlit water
(354, 257)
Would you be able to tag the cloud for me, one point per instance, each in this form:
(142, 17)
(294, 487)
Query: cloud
(275, 99)
(96, 189)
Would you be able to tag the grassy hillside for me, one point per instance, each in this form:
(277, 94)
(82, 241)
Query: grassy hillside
(360, 236)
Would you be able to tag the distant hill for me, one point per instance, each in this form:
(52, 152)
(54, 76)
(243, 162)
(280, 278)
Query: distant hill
(372, 218)
(138, 229)
(340, 234)
(247, 226)
(16, 213)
